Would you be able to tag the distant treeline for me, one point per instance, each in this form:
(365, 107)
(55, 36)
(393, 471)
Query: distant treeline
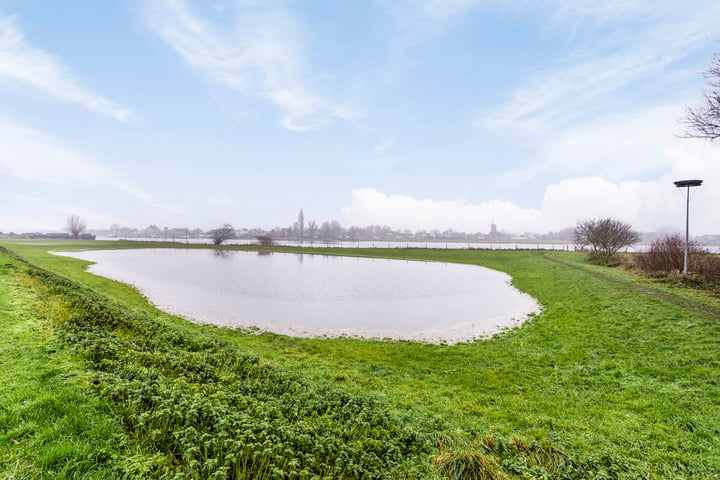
(333, 231)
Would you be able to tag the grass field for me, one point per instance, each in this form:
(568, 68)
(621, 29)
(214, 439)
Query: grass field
(618, 377)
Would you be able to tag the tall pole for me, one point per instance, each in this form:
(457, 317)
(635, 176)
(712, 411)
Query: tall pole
(687, 231)
(688, 184)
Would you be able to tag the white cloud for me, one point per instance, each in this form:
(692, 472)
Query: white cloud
(261, 56)
(370, 207)
(25, 65)
(648, 205)
(636, 14)
(623, 41)
(626, 52)
(37, 157)
(617, 147)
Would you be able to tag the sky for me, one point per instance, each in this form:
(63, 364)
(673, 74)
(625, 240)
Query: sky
(417, 114)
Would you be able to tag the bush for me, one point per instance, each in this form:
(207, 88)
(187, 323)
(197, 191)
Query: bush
(265, 240)
(666, 256)
(605, 236)
(708, 267)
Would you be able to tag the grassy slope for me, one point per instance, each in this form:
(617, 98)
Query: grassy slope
(49, 427)
(615, 366)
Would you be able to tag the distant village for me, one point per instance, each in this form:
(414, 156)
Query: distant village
(331, 231)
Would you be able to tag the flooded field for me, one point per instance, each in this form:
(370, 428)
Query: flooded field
(315, 295)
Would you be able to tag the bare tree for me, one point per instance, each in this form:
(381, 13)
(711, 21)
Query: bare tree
(606, 236)
(75, 226)
(219, 235)
(330, 230)
(703, 121)
(301, 225)
(312, 230)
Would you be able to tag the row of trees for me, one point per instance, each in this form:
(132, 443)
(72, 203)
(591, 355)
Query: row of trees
(328, 231)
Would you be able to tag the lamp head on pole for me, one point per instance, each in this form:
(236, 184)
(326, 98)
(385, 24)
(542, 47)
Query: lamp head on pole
(688, 183)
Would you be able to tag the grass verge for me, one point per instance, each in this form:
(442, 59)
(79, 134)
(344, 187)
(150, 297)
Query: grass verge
(49, 426)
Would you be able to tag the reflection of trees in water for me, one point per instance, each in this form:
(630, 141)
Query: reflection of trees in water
(265, 240)
(264, 254)
(223, 253)
(300, 257)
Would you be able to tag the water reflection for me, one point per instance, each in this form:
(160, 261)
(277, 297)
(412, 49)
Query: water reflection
(314, 295)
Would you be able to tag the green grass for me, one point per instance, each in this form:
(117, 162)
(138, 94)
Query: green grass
(49, 426)
(617, 378)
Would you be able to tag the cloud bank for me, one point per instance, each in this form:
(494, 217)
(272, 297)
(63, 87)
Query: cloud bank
(648, 205)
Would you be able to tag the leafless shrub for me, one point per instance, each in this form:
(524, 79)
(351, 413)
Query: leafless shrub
(666, 257)
(219, 235)
(667, 254)
(265, 240)
(605, 236)
(708, 268)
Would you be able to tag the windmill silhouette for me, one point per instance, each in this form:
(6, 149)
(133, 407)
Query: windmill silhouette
(493, 230)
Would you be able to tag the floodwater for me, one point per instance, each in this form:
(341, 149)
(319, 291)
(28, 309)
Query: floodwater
(450, 245)
(317, 295)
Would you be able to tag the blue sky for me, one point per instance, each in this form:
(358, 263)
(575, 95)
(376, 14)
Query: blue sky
(417, 114)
